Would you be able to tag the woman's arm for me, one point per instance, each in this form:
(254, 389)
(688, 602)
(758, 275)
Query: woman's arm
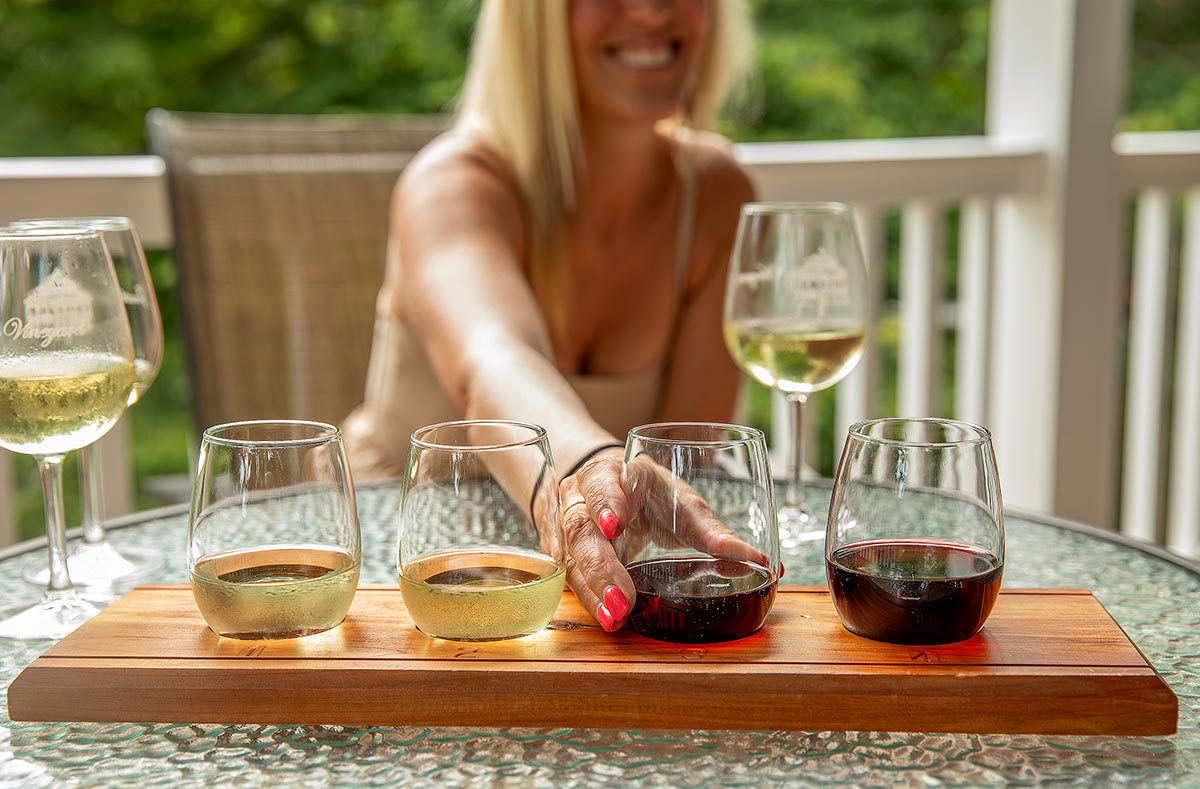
(458, 242)
(456, 252)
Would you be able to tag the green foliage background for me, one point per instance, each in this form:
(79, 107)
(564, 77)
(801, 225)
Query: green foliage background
(77, 77)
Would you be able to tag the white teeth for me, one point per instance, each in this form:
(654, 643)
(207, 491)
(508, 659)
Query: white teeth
(646, 58)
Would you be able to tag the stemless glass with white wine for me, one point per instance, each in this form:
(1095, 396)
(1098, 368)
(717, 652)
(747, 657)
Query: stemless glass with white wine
(796, 317)
(478, 524)
(66, 371)
(273, 538)
(95, 562)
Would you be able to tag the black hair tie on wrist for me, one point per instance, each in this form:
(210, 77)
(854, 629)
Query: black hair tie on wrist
(580, 463)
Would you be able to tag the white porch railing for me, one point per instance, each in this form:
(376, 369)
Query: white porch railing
(1161, 481)
(923, 179)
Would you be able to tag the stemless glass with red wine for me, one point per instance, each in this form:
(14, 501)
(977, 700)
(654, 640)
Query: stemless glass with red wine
(915, 543)
(702, 542)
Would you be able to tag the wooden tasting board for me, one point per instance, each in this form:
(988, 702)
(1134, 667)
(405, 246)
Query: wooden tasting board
(1047, 662)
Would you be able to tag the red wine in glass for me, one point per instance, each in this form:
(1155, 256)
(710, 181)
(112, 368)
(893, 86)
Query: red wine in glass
(913, 591)
(699, 599)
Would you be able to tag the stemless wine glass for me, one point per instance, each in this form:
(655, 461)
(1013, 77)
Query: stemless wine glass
(273, 539)
(66, 370)
(701, 545)
(796, 317)
(475, 563)
(95, 562)
(915, 542)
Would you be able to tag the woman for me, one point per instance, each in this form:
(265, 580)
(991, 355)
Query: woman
(559, 255)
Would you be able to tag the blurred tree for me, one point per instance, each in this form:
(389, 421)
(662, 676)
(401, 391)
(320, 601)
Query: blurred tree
(872, 68)
(77, 77)
(1164, 84)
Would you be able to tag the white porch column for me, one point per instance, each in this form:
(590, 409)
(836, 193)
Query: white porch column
(1057, 75)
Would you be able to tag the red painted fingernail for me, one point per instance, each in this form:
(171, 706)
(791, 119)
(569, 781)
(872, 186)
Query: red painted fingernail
(605, 618)
(781, 569)
(615, 602)
(609, 523)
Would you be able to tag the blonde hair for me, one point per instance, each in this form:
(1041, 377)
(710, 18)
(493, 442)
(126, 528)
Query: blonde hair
(520, 88)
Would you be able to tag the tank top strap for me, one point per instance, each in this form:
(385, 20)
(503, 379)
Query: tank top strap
(686, 224)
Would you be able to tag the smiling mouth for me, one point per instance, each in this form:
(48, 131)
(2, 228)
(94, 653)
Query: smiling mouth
(647, 58)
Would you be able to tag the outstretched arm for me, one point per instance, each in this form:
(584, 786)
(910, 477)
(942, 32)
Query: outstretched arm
(456, 277)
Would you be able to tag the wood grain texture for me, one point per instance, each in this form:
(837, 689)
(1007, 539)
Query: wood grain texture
(1048, 662)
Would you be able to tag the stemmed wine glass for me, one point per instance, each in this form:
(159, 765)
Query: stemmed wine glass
(95, 562)
(796, 317)
(66, 371)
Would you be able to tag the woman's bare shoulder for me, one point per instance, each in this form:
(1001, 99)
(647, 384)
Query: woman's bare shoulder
(456, 188)
(456, 165)
(722, 186)
(454, 206)
(721, 180)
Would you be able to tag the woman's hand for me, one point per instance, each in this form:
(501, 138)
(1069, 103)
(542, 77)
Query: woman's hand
(594, 508)
(603, 500)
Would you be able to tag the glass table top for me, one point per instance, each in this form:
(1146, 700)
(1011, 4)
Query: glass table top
(1155, 600)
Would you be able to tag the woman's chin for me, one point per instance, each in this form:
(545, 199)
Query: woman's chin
(640, 113)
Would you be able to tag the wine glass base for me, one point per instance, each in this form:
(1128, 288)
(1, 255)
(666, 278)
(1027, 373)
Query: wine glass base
(101, 566)
(54, 617)
(798, 526)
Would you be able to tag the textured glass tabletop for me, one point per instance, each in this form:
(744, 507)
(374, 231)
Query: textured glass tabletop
(1156, 601)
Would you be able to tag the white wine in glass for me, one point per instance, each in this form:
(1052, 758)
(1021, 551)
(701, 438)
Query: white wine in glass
(95, 562)
(482, 594)
(66, 373)
(280, 591)
(796, 317)
(472, 556)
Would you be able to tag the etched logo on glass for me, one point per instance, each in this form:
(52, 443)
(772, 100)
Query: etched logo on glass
(56, 308)
(137, 298)
(818, 285)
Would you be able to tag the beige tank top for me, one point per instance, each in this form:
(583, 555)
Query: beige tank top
(404, 394)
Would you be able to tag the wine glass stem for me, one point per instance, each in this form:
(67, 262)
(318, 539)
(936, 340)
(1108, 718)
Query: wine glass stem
(794, 494)
(92, 498)
(50, 469)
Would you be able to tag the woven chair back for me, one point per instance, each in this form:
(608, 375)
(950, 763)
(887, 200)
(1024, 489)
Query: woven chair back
(280, 227)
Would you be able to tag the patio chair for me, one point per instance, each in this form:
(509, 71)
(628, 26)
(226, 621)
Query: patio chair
(280, 225)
